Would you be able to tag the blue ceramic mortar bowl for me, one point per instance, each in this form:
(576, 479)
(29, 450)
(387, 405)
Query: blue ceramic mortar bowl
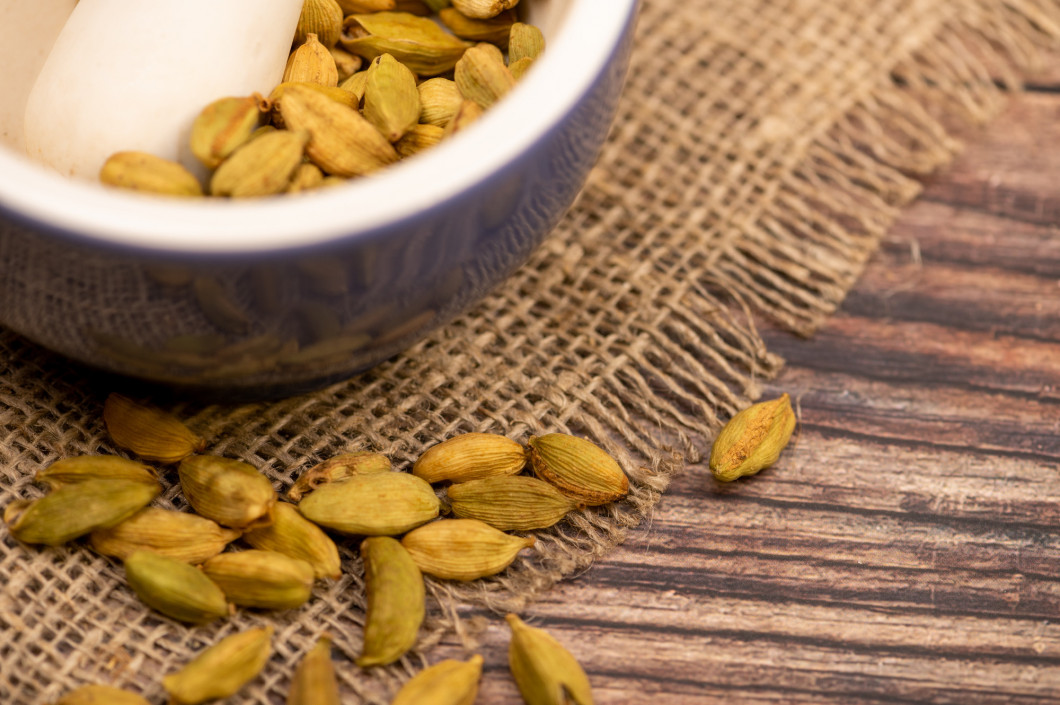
(277, 296)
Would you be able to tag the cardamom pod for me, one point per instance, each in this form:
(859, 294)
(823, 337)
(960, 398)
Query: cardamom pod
(462, 549)
(525, 42)
(341, 141)
(346, 63)
(496, 30)
(293, 535)
(336, 93)
(579, 468)
(179, 535)
(470, 456)
(377, 504)
(174, 588)
(336, 469)
(100, 695)
(518, 68)
(439, 101)
(545, 672)
(396, 601)
(482, 76)
(314, 681)
(436, 5)
(753, 439)
(230, 492)
(150, 433)
(419, 138)
(222, 669)
(468, 112)
(217, 305)
(391, 101)
(483, 9)
(75, 510)
(140, 171)
(69, 471)
(305, 178)
(311, 63)
(264, 579)
(510, 503)
(417, 42)
(352, 7)
(223, 126)
(262, 167)
(322, 18)
(355, 85)
(448, 682)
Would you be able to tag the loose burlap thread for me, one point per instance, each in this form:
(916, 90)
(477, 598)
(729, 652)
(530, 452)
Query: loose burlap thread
(761, 150)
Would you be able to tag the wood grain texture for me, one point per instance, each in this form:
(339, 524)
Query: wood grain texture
(906, 548)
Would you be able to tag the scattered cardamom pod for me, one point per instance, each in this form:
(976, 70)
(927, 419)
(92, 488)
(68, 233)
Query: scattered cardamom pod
(579, 468)
(150, 433)
(396, 601)
(293, 535)
(322, 18)
(462, 549)
(496, 30)
(69, 471)
(263, 579)
(174, 588)
(140, 171)
(448, 682)
(378, 504)
(439, 101)
(546, 673)
(483, 9)
(417, 42)
(510, 503)
(419, 138)
(314, 681)
(482, 76)
(100, 695)
(230, 492)
(753, 439)
(75, 510)
(341, 141)
(525, 42)
(179, 535)
(311, 63)
(337, 469)
(470, 456)
(391, 101)
(262, 167)
(222, 669)
(223, 126)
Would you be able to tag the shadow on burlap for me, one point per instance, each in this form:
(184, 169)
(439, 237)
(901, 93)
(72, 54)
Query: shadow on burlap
(761, 150)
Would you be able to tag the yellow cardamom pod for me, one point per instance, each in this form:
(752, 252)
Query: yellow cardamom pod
(448, 682)
(311, 63)
(495, 30)
(468, 112)
(293, 535)
(396, 601)
(75, 510)
(222, 669)
(224, 125)
(462, 549)
(419, 138)
(150, 433)
(140, 171)
(578, 468)
(377, 504)
(391, 100)
(322, 18)
(515, 503)
(546, 673)
(305, 178)
(482, 76)
(174, 588)
(753, 439)
(524, 42)
(352, 7)
(470, 456)
(101, 695)
(314, 681)
(483, 9)
(346, 63)
(230, 492)
(179, 535)
(417, 42)
(263, 579)
(337, 469)
(69, 471)
(519, 67)
(262, 167)
(355, 85)
(439, 101)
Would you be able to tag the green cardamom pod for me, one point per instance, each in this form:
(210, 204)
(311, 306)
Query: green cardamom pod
(230, 492)
(378, 504)
(396, 601)
(462, 549)
(546, 673)
(295, 536)
(174, 588)
(222, 669)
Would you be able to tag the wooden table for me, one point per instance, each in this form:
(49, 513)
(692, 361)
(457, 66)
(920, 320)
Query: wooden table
(907, 547)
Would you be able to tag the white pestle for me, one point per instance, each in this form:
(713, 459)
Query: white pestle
(133, 74)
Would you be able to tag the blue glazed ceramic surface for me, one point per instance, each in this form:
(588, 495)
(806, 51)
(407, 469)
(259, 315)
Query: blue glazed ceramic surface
(291, 317)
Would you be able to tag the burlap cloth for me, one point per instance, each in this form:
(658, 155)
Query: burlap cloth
(761, 149)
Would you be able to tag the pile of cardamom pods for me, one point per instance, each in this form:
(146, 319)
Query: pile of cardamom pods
(177, 564)
(330, 119)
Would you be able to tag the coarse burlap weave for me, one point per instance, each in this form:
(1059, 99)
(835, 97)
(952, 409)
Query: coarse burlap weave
(761, 149)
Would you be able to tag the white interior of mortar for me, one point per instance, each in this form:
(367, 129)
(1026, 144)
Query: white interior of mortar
(581, 36)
